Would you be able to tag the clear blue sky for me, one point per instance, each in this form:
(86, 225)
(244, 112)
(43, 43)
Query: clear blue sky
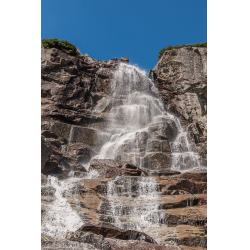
(137, 29)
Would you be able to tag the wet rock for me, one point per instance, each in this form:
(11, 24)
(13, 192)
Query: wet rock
(142, 138)
(153, 161)
(163, 131)
(110, 168)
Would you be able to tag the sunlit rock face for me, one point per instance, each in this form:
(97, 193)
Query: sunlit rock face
(181, 78)
(119, 151)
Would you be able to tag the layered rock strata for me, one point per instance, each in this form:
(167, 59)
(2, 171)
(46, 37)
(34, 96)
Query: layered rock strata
(175, 210)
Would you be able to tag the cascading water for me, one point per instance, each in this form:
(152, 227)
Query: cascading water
(137, 116)
(136, 107)
(59, 217)
(131, 201)
(183, 158)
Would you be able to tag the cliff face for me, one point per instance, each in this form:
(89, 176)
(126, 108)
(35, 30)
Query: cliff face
(76, 105)
(181, 78)
(71, 87)
(76, 102)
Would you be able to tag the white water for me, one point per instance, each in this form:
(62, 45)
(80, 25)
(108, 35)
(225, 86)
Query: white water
(132, 201)
(59, 216)
(135, 107)
(183, 158)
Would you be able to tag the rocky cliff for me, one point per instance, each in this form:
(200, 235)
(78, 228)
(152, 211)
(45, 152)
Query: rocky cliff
(71, 87)
(76, 114)
(181, 77)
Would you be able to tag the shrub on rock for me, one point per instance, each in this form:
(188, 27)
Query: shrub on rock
(60, 44)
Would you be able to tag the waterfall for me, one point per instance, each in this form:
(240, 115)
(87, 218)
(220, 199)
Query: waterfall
(136, 108)
(139, 130)
(136, 113)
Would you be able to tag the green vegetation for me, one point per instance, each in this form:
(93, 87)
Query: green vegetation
(60, 44)
(170, 47)
(85, 56)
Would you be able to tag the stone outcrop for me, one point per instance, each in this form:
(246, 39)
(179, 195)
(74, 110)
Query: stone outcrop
(181, 78)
